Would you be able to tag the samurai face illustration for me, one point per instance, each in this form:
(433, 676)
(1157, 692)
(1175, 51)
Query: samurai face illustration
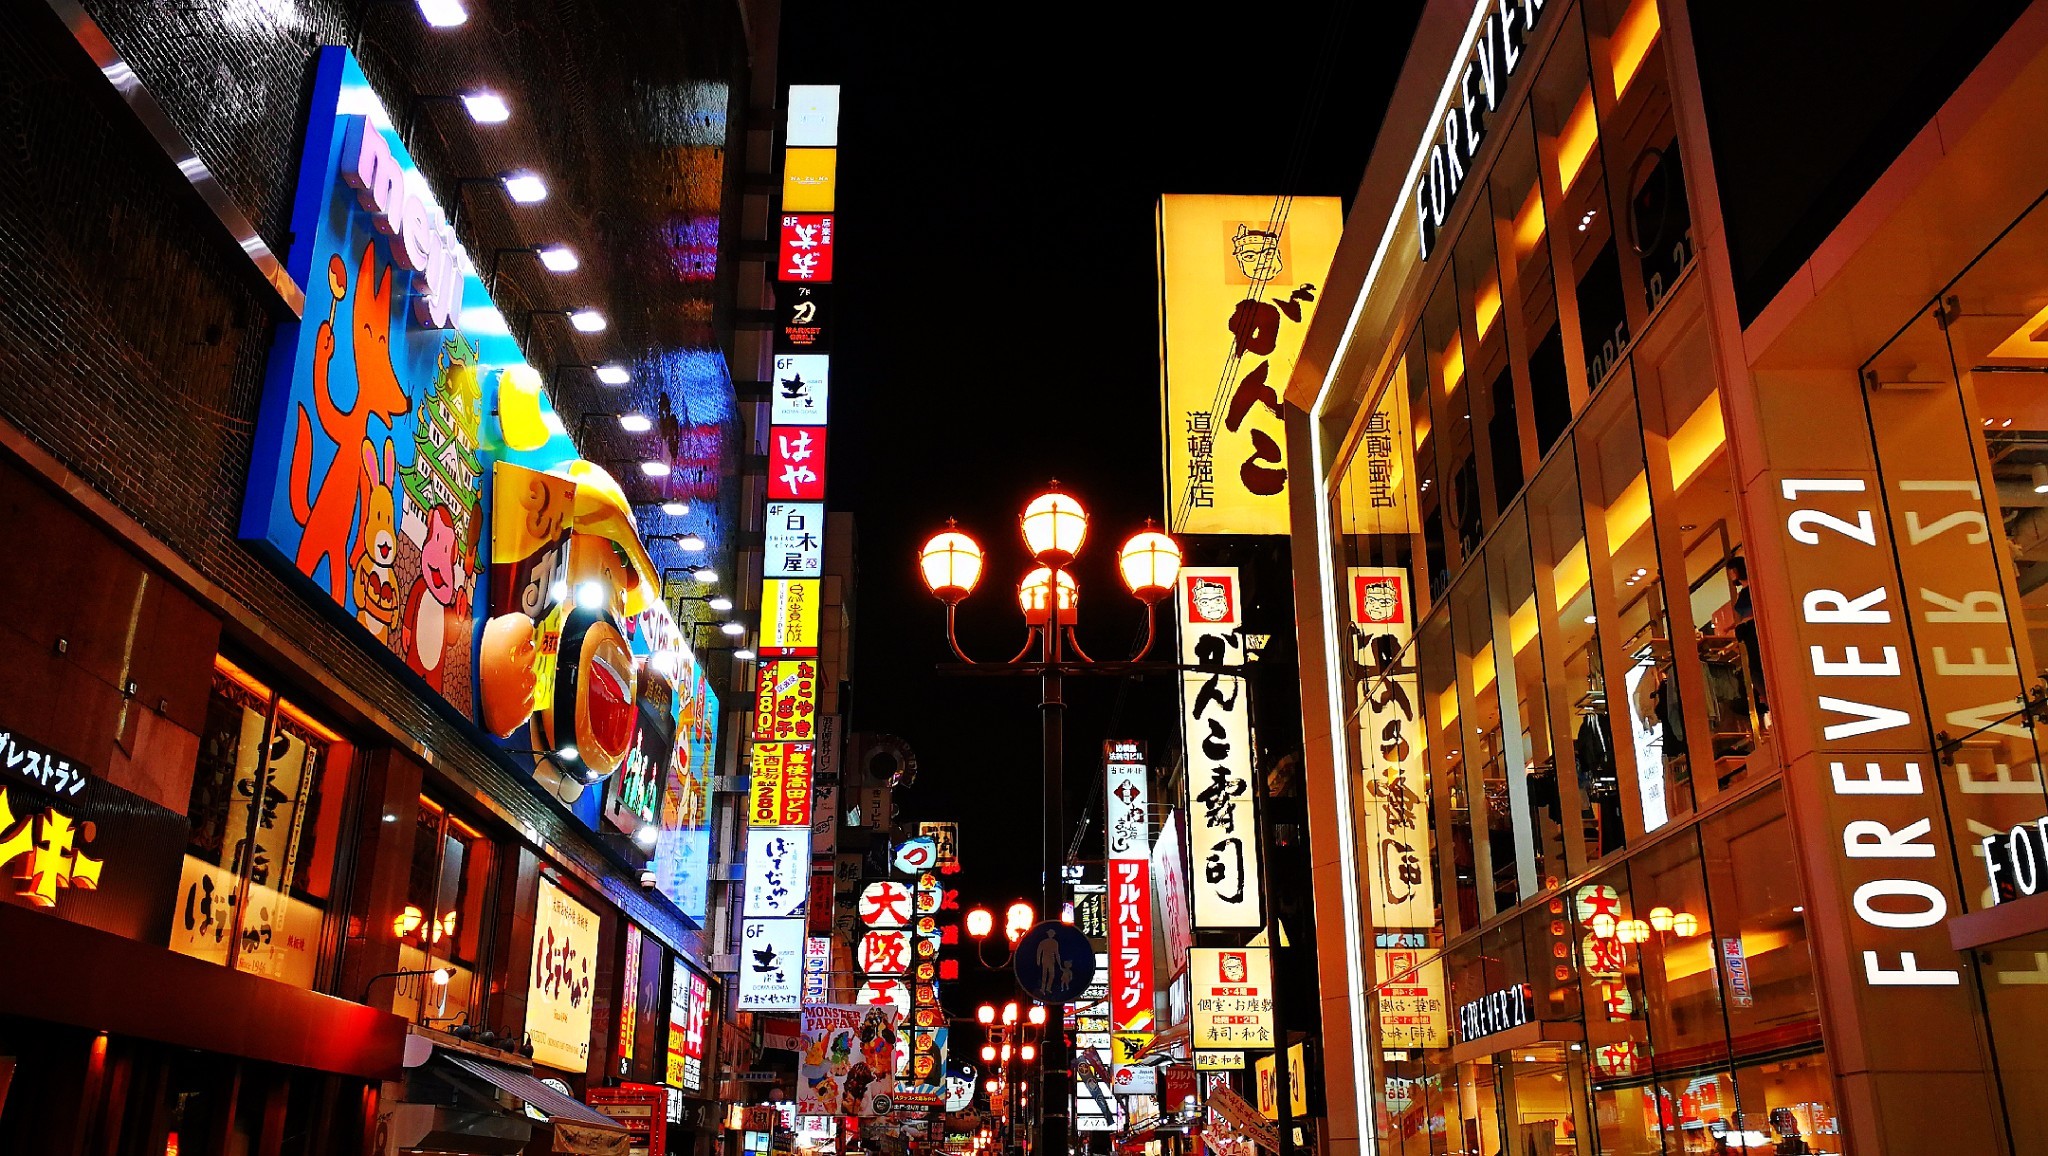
(1211, 600)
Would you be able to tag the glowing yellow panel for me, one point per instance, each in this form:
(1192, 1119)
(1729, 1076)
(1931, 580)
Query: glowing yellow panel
(1570, 576)
(809, 180)
(1486, 307)
(1529, 223)
(1522, 624)
(1629, 513)
(1576, 142)
(1482, 668)
(1633, 37)
(1453, 364)
(1698, 439)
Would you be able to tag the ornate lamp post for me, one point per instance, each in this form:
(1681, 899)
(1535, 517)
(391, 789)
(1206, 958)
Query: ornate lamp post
(1055, 525)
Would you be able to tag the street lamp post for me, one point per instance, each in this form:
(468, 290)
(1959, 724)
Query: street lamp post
(1054, 526)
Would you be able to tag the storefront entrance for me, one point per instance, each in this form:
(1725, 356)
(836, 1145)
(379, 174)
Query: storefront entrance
(1527, 1102)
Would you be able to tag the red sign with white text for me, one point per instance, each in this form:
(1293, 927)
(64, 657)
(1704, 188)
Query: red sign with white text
(796, 463)
(1130, 945)
(806, 250)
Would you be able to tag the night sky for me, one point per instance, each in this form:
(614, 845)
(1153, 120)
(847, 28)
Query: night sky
(997, 326)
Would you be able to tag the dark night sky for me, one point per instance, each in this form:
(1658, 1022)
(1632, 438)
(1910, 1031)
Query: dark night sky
(998, 327)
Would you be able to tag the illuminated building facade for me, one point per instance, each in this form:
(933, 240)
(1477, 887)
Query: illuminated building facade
(1674, 404)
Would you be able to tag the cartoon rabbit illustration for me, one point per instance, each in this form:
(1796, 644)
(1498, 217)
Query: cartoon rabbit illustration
(375, 589)
(329, 514)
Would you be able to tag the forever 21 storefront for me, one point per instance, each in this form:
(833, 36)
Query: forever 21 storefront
(1681, 449)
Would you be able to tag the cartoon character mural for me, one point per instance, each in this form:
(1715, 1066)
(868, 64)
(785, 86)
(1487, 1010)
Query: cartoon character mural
(415, 477)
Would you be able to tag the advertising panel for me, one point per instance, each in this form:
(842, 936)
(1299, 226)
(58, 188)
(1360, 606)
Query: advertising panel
(682, 851)
(786, 700)
(848, 1063)
(1411, 995)
(1233, 990)
(1217, 729)
(809, 179)
(1130, 945)
(1238, 280)
(1268, 1081)
(805, 251)
(796, 463)
(793, 540)
(1394, 831)
(789, 617)
(803, 317)
(945, 839)
(771, 964)
(689, 1015)
(561, 991)
(1170, 895)
(813, 116)
(800, 389)
(781, 786)
(778, 871)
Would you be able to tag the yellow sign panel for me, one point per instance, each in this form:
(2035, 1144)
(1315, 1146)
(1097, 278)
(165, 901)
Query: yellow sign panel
(1238, 281)
(1413, 1010)
(789, 617)
(1297, 1084)
(808, 180)
(1212, 1061)
(564, 983)
(1232, 990)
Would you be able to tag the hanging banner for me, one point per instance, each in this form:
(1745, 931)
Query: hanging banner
(1217, 731)
(1233, 993)
(1238, 282)
(771, 964)
(1394, 827)
(561, 991)
(778, 871)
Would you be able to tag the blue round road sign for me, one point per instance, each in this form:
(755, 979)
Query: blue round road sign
(1055, 963)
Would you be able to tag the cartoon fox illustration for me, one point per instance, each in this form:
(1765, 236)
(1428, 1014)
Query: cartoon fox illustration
(330, 514)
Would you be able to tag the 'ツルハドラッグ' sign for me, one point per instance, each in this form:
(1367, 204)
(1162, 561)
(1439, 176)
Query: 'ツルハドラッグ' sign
(409, 469)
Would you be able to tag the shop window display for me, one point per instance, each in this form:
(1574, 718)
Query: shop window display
(441, 926)
(1485, 765)
(1573, 675)
(1536, 801)
(266, 806)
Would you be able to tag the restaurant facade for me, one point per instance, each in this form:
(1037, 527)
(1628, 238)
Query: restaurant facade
(1673, 707)
(357, 774)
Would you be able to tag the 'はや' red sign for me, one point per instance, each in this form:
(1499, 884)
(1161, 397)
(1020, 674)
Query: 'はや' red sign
(796, 463)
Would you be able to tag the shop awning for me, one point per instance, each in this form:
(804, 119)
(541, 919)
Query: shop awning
(579, 1129)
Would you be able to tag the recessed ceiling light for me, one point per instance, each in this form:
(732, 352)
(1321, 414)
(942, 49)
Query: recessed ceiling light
(587, 321)
(525, 188)
(444, 13)
(654, 469)
(486, 107)
(559, 259)
(613, 374)
(635, 422)
(675, 509)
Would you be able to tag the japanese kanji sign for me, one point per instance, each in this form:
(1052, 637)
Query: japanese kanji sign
(806, 250)
(797, 394)
(781, 788)
(789, 617)
(884, 953)
(786, 700)
(803, 321)
(1413, 1011)
(778, 871)
(771, 964)
(945, 839)
(1238, 282)
(1232, 989)
(793, 540)
(1394, 831)
(1217, 732)
(1129, 794)
(1130, 945)
(796, 463)
(562, 990)
(885, 904)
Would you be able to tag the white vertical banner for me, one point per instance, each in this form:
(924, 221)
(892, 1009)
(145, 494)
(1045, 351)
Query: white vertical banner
(1394, 830)
(1216, 729)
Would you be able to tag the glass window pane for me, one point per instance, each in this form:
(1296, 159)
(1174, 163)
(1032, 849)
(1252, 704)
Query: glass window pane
(1572, 662)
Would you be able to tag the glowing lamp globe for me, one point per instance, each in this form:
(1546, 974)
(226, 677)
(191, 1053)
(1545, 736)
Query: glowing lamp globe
(1038, 1013)
(1034, 594)
(1660, 918)
(1027, 1053)
(1685, 924)
(951, 564)
(980, 921)
(1149, 562)
(1010, 1013)
(1603, 925)
(988, 1053)
(1054, 527)
(986, 1013)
